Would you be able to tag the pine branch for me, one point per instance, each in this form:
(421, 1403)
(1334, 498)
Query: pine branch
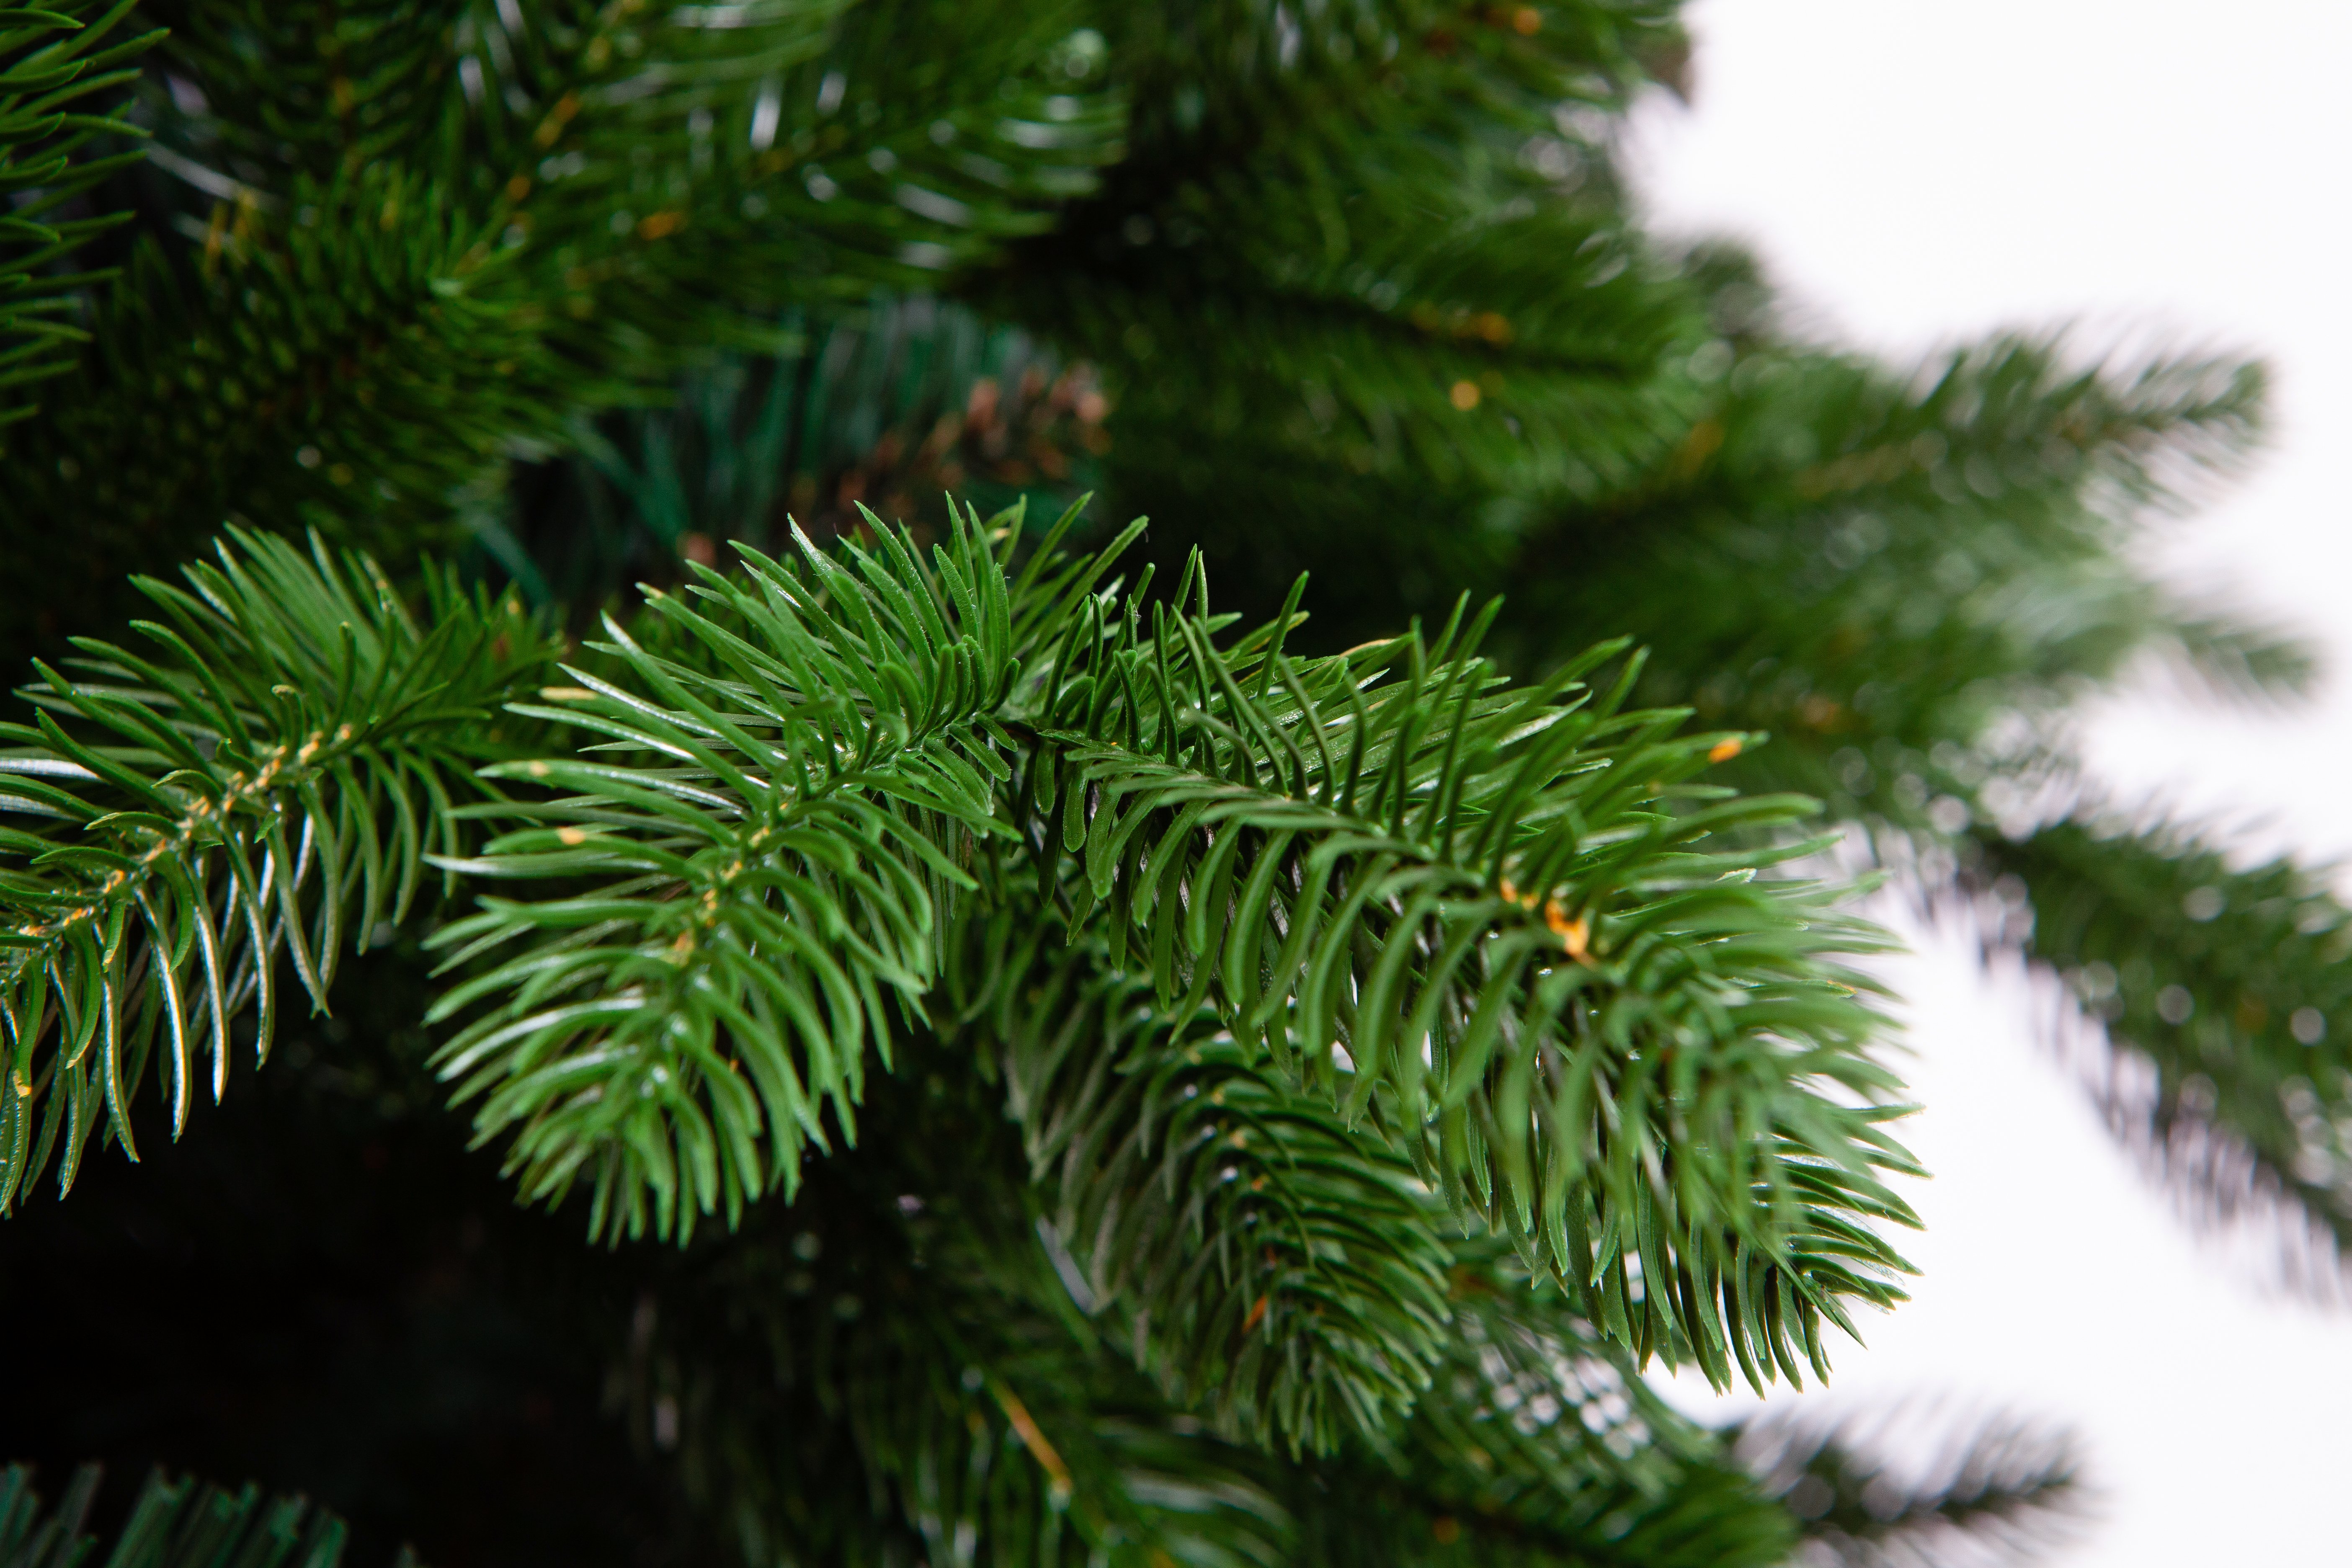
(53, 59)
(855, 171)
(1269, 1266)
(649, 165)
(890, 406)
(964, 1449)
(914, 1391)
(347, 373)
(1415, 322)
(2237, 657)
(1341, 253)
(264, 783)
(1424, 368)
(1218, 85)
(1473, 910)
(1279, 963)
(474, 91)
(1580, 1025)
(1539, 1443)
(1367, 209)
(173, 1524)
(1008, 1447)
(1543, 1506)
(676, 190)
(1578, 1020)
(914, 1351)
(2231, 985)
(2009, 478)
(781, 868)
(343, 89)
(580, 205)
(1369, 1518)
(2004, 1493)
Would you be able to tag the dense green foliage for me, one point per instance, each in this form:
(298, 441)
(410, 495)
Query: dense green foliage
(56, 65)
(565, 622)
(172, 1525)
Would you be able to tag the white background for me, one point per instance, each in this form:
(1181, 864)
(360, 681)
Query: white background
(1916, 171)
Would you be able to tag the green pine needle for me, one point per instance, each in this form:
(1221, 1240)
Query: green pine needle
(180, 1523)
(264, 783)
(1559, 988)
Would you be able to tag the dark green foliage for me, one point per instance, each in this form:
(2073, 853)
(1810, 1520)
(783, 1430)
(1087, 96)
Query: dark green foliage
(2009, 481)
(487, 213)
(906, 1338)
(1398, 927)
(1370, 854)
(789, 858)
(1943, 558)
(1272, 1265)
(2000, 1489)
(1537, 1444)
(1243, 73)
(268, 386)
(173, 1524)
(1118, 1081)
(776, 1374)
(1532, 395)
(60, 65)
(890, 404)
(357, 1311)
(1343, 257)
(845, 752)
(912, 1342)
(2246, 1023)
(266, 785)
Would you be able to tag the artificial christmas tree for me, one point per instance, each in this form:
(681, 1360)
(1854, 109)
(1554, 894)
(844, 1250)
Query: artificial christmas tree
(570, 635)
